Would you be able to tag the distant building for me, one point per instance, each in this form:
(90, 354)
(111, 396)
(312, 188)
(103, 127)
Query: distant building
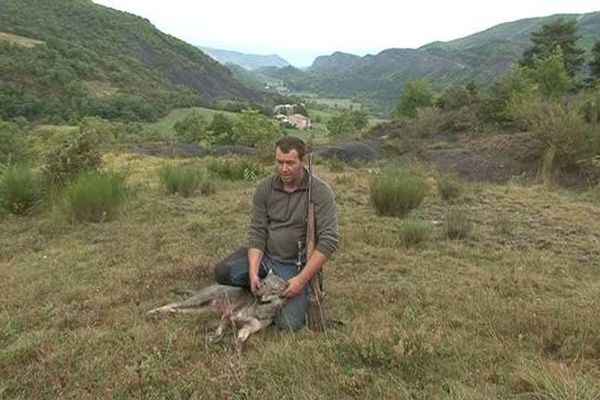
(300, 121)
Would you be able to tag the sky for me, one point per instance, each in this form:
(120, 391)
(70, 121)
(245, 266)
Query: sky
(299, 31)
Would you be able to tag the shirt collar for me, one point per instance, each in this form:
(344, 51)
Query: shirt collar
(302, 186)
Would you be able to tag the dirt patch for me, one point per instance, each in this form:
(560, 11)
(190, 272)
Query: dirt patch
(479, 157)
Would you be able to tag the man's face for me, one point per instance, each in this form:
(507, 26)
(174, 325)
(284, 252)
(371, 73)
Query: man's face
(289, 166)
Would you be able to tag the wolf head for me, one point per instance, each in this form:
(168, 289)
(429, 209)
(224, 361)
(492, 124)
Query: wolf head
(271, 287)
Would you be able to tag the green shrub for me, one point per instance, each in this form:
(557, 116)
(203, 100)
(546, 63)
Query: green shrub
(12, 142)
(449, 187)
(19, 189)
(414, 232)
(186, 180)
(560, 127)
(235, 169)
(416, 94)
(75, 154)
(193, 128)
(396, 191)
(95, 197)
(457, 225)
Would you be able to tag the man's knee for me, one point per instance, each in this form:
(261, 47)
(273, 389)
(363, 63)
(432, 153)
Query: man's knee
(221, 272)
(233, 269)
(289, 324)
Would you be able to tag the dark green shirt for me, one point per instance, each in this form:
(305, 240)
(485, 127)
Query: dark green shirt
(278, 219)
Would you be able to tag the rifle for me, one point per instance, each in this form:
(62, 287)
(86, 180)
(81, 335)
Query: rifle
(315, 316)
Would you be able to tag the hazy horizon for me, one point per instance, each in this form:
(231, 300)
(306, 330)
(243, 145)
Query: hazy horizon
(321, 28)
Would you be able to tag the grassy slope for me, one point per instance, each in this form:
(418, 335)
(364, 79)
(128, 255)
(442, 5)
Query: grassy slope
(488, 317)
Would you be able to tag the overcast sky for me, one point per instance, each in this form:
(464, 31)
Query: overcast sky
(301, 30)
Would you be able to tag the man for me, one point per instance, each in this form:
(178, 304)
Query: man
(277, 233)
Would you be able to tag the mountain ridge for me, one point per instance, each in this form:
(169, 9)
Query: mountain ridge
(246, 60)
(149, 71)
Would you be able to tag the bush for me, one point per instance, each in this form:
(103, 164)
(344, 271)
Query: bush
(414, 232)
(397, 191)
(19, 189)
(427, 121)
(560, 127)
(12, 142)
(192, 128)
(347, 122)
(75, 154)
(449, 187)
(186, 180)
(457, 225)
(95, 197)
(235, 169)
(416, 94)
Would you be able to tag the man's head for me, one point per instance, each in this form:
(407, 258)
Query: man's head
(289, 156)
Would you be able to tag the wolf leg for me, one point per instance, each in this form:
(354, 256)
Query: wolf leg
(217, 335)
(251, 326)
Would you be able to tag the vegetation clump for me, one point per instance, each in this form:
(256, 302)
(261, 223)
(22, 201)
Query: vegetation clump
(414, 232)
(186, 180)
(396, 191)
(449, 187)
(19, 189)
(95, 197)
(458, 226)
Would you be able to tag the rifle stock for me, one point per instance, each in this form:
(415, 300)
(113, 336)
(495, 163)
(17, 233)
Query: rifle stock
(315, 315)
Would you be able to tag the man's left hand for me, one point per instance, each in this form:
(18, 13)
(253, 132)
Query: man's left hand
(295, 287)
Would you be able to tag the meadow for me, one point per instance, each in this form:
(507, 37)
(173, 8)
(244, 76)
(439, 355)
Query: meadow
(508, 311)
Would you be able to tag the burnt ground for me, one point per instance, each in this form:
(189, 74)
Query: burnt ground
(475, 157)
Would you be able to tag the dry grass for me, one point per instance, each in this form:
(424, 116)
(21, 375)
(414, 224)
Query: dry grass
(446, 320)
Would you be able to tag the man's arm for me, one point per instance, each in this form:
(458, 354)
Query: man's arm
(299, 282)
(254, 259)
(257, 233)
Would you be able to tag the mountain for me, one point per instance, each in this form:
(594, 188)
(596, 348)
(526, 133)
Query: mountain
(69, 58)
(248, 61)
(337, 61)
(378, 79)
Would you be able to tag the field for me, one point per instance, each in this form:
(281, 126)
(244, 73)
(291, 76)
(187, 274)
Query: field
(509, 312)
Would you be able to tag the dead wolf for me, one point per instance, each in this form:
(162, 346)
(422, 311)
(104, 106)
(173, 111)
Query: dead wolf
(236, 305)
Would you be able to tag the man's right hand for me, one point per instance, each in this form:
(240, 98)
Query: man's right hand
(254, 284)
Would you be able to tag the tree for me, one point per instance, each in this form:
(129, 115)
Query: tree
(550, 75)
(558, 33)
(595, 63)
(347, 122)
(221, 127)
(192, 129)
(252, 129)
(417, 93)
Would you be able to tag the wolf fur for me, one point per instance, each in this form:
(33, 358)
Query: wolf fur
(236, 306)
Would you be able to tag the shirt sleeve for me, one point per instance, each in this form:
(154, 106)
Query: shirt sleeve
(257, 232)
(327, 235)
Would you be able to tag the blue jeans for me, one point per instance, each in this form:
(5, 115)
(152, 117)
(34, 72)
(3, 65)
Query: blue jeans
(233, 271)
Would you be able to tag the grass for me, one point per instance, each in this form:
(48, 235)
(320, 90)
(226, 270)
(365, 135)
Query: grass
(186, 180)
(445, 320)
(94, 197)
(397, 191)
(19, 189)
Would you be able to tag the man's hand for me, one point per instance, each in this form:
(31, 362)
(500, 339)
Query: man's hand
(295, 286)
(254, 284)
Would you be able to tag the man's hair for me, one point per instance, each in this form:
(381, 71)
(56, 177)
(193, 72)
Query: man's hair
(289, 143)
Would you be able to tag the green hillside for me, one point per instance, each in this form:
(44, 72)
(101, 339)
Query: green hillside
(68, 58)
(378, 79)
